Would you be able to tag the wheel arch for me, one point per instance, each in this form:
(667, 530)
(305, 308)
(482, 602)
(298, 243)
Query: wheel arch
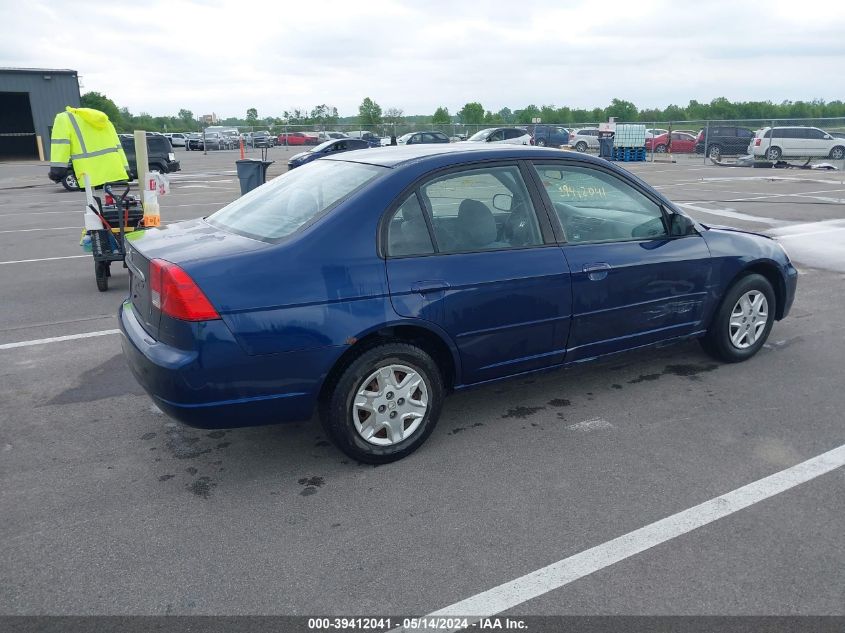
(427, 337)
(771, 271)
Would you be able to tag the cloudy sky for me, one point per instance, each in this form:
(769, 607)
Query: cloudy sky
(158, 56)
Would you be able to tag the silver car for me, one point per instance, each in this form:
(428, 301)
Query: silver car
(584, 139)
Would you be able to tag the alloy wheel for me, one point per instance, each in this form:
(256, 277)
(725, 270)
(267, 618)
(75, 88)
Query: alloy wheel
(748, 319)
(390, 405)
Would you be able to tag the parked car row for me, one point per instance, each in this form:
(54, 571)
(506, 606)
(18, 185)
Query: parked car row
(790, 141)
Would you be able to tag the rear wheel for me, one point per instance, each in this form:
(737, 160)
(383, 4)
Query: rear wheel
(102, 273)
(384, 404)
(660, 149)
(837, 153)
(581, 146)
(541, 143)
(773, 153)
(715, 152)
(743, 320)
(69, 182)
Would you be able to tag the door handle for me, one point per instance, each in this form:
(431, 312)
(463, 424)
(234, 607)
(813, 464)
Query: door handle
(597, 271)
(424, 287)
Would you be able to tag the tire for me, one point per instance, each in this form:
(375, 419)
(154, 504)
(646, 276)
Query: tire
(773, 153)
(346, 425)
(541, 143)
(729, 320)
(69, 182)
(660, 149)
(581, 146)
(715, 152)
(102, 273)
(837, 153)
(162, 169)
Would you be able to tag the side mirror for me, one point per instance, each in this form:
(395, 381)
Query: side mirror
(680, 225)
(502, 202)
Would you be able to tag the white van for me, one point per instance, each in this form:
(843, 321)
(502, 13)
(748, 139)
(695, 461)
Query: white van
(795, 142)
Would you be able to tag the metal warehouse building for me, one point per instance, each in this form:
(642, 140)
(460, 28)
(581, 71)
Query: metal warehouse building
(30, 98)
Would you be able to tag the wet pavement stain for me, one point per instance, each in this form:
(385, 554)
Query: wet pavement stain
(108, 380)
(559, 402)
(166, 477)
(223, 445)
(182, 446)
(191, 470)
(689, 371)
(311, 484)
(148, 436)
(521, 413)
(202, 487)
(216, 435)
(644, 378)
(616, 386)
(312, 481)
(458, 429)
(321, 443)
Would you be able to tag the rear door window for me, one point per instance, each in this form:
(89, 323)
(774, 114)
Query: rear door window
(481, 209)
(407, 231)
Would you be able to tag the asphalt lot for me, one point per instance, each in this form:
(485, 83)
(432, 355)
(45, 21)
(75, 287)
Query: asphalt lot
(108, 507)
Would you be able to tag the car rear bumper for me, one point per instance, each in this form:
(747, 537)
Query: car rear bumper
(218, 385)
(173, 165)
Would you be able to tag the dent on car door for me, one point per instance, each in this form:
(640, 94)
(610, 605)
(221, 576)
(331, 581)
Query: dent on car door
(468, 252)
(632, 282)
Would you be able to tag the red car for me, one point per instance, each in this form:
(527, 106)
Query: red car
(293, 138)
(682, 143)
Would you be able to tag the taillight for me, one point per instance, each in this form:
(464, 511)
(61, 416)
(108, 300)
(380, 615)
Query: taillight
(109, 199)
(757, 142)
(174, 293)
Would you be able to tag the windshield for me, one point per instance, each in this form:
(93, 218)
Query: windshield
(480, 136)
(404, 137)
(321, 146)
(280, 207)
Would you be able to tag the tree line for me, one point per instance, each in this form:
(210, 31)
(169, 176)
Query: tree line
(371, 115)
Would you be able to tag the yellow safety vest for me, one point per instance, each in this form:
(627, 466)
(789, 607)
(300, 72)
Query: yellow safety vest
(86, 138)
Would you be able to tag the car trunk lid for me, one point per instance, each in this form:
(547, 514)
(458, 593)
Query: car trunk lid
(182, 243)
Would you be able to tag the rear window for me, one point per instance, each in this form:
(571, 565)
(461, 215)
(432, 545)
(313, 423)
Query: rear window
(275, 210)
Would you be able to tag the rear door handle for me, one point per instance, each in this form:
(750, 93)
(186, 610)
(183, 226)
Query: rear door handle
(424, 287)
(597, 271)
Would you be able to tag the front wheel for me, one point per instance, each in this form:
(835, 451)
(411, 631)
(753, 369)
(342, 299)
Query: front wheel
(385, 404)
(581, 146)
(541, 143)
(715, 152)
(837, 153)
(660, 149)
(743, 320)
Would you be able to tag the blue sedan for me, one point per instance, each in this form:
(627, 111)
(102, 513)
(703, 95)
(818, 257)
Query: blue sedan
(329, 148)
(367, 286)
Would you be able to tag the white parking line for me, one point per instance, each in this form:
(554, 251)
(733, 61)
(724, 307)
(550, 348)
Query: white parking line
(53, 228)
(57, 339)
(510, 594)
(42, 259)
(732, 213)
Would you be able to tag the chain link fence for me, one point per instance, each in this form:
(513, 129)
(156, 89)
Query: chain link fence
(705, 141)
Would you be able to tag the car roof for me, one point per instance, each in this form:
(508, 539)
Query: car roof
(453, 153)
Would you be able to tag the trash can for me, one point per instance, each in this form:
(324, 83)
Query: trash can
(252, 173)
(606, 147)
